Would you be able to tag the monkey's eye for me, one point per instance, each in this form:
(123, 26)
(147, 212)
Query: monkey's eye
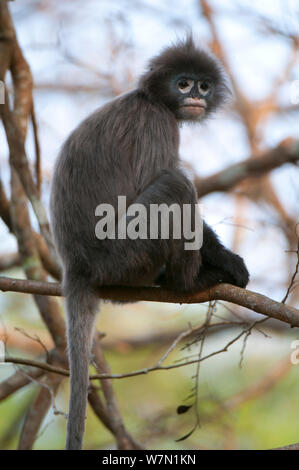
(185, 85)
(204, 86)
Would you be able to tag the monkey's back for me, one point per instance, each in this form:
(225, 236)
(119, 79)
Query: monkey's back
(117, 151)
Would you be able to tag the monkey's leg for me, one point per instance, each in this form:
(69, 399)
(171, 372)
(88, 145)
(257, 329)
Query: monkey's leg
(184, 270)
(229, 266)
(181, 265)
(130, 260)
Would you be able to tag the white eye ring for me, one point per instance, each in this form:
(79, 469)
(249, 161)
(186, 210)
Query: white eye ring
(204, 87)
(185, 85)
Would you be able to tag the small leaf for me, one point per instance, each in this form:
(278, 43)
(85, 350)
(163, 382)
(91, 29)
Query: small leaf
(186, 435)
(183, 409)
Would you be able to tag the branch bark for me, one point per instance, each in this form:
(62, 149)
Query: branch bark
(38, 411)
(252, 300)
(286, 152)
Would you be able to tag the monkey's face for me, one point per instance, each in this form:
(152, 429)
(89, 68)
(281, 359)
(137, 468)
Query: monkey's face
(193, 95)
(187, 79)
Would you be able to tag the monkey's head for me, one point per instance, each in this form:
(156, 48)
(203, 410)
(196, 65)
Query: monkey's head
(188, 80)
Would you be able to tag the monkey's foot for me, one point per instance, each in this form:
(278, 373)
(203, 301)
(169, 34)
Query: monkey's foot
(236, 269)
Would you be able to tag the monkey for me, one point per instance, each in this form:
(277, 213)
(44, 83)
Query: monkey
(129, 147)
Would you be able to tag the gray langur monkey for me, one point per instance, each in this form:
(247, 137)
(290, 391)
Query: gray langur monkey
(129, 147)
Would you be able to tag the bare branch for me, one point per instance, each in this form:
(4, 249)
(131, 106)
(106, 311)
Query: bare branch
(266, 383)
(286, 152)
(257, 302)
(19, 380)
(123, 438)
(48, 262)
(38, 169)
(38, 411)
(289, 447)
(292, 281)
(105, 377)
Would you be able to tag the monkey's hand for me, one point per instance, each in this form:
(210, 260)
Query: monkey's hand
(234, 269)
(229, 268)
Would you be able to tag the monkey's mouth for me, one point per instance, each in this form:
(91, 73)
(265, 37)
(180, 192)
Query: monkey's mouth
(193, 106)
(194, 109)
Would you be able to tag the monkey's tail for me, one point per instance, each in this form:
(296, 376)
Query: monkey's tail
(81, 307)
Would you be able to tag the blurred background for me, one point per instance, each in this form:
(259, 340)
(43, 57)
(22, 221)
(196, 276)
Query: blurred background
(83, 54)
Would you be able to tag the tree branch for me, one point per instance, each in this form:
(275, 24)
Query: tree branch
(257, 302)
(286, 152)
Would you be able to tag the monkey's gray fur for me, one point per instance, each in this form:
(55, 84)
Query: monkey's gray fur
(129, 147)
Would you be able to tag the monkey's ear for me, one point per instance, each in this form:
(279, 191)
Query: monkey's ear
(153, 78)
(154, 68)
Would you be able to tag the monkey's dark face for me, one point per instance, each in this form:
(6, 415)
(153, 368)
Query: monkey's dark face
(188, 80)
(193, 95)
